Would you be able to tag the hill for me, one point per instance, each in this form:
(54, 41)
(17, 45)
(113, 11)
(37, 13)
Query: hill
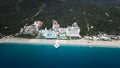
(104, 15)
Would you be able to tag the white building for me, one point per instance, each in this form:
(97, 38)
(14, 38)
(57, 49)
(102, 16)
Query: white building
(31, 29)
(73, 31)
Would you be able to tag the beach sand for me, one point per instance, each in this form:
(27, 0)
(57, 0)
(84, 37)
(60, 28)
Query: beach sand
(79, 42)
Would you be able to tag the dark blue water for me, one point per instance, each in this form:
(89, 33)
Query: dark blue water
(34, 56)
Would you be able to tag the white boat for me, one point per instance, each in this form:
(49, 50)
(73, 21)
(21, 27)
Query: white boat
(56, 45)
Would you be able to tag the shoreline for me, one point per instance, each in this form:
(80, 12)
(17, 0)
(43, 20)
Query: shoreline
(79, 42)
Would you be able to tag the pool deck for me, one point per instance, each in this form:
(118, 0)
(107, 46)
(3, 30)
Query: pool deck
(80, 42)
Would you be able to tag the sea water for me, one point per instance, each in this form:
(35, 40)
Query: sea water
(13, 55)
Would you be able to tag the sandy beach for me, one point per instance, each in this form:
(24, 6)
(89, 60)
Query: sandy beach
(79, 42)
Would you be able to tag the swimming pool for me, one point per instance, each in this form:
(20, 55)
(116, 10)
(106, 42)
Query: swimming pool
(13, 55)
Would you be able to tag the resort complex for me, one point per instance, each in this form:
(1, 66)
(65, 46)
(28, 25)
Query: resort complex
(56, 32)
(57, 35)
(61, 33)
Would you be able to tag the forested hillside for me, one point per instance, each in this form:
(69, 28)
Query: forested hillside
(104, 15)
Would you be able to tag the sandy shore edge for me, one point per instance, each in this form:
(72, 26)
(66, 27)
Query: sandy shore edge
(80, 42)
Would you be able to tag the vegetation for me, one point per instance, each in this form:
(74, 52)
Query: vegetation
(103, 15)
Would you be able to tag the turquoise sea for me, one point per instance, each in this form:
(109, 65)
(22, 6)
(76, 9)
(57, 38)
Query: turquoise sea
(13, 55)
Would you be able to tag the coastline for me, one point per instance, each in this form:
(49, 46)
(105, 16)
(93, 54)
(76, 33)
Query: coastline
(79, 42)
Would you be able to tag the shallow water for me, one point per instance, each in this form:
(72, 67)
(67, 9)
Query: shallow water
(14, 55)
